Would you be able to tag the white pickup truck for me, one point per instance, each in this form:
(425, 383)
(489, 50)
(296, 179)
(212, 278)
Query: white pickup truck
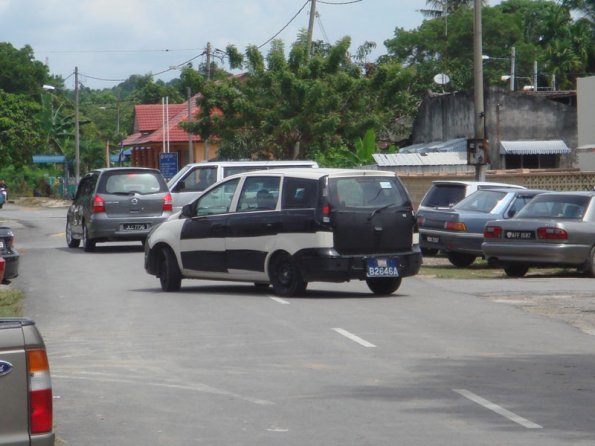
(26, 414)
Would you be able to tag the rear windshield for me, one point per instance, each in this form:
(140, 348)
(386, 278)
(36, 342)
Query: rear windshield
(444, 195)
(132, 182)
(481, 201)
(367, 192)
(555, 206)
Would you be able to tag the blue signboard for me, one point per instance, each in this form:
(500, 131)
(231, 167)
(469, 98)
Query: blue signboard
(168, 164)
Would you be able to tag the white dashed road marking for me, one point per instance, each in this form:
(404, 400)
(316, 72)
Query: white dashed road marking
(279, 300)
(354, 338)
(499, 410)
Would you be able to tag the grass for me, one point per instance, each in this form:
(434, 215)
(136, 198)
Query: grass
(11, 302)
(442, 269)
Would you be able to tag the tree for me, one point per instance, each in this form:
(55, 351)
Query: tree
(19, 72)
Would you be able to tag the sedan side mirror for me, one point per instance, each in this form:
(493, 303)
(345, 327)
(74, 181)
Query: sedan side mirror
(187, 211)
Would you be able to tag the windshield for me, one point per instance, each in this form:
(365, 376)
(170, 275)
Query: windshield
(555, 206)
(481, 201)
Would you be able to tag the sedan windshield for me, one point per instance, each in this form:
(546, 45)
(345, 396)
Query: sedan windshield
(555, 206)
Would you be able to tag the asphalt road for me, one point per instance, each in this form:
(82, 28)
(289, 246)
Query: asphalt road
(441, 362)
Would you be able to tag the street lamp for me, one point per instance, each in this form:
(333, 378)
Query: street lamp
(512, 65)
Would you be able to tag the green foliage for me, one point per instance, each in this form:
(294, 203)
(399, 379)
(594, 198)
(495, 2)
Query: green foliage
(24, 180)
(19, 72)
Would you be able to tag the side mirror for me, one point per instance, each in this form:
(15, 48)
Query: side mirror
(181, 185)
(187, 211)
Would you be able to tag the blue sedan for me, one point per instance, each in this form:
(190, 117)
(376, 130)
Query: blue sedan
(458, 231)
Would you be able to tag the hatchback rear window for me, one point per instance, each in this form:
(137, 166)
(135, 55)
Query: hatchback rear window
(367, 192)
(133, 182)
(444, 195)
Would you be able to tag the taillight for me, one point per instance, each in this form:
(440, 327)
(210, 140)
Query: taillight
(326, 213)
(40, 392)
(455, 226)
(98, 204)
(420, 220)
(552, 234)
(492, 232)
(168, 203)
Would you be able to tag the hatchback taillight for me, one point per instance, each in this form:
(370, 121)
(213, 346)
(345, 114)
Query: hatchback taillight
(98, 204)
(168, 203)
(326, 213)
(492, 232)
(545, 233)
(40, 392)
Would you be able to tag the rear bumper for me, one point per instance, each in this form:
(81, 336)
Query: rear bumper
(465, 242)
(110, 229)
(11, 269)
(327, 265)
(536, 254)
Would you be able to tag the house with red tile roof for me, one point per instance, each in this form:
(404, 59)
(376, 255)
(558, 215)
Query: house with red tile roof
(157, 129)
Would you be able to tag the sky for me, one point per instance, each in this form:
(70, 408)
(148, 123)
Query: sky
(110, 40)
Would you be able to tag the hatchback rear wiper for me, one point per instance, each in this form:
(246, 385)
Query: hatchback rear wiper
(380, 209)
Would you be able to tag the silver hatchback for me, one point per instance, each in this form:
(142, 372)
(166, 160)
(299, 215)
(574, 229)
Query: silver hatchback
(117, 204)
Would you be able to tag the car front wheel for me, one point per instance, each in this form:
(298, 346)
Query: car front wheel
(286, 277)
(169, 271)
(70, 240)
(384, 286)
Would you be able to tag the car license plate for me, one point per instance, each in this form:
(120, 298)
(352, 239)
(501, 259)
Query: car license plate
(135, 226)
(519, 235)
(382, 268)
(432, 239)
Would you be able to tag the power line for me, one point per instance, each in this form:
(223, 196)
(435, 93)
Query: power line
(340, 3)
(166, 50)
(286, 25)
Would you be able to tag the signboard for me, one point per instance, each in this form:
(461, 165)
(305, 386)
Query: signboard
(168, 164)
(477, 152)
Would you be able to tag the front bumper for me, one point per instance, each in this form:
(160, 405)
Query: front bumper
(327, 265)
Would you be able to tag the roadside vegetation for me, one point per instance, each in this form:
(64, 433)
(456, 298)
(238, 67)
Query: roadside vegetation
(11, 302)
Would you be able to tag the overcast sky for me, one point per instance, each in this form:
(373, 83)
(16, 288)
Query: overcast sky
(113, 39)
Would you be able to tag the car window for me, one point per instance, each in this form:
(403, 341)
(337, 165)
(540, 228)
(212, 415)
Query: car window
(444, 195)
(200, 178)
(518, 203)
(366, 191)
(217, 200)
(299, 193)
(555, 206)
(259, 193)
(131, 182)
(481, 201)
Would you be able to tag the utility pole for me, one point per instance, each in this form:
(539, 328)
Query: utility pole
(311, 26)
(190, 146)
(478, 89)
(77, 142)
(512, 68)
(208, 60)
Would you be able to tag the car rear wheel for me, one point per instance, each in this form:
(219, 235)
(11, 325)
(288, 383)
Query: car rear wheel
(461, 260)
(169, 271)
(88, 243)
(70, 240)
(384, 286)
(286, 277)
(516, 270)
(589, 268)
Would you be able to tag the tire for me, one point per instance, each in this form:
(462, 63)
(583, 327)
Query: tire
(286, 277)
(384, 286)
(429, 252)
(461, 260)
(169, 271)
(516, 270)
(70, 240)
(589, 268)
(88, 243)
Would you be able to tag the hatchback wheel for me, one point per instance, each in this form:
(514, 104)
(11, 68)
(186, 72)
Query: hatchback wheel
(88, 243)
(384, 286)
(461, 260)
(169, 271)
(589, 267)
(286, 277)
(70, 240)
(516, 270)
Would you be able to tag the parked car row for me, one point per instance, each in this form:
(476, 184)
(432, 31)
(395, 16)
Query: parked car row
(511, 227)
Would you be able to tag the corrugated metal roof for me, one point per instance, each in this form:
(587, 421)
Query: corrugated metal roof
(421, 159)
(451, 145)
(552, 147)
